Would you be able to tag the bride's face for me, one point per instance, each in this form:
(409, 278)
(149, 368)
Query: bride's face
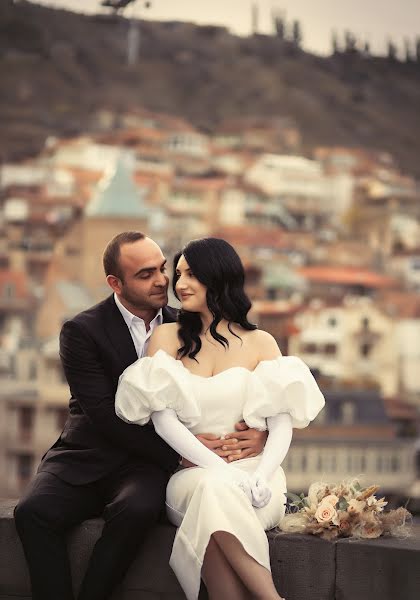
(191, 292)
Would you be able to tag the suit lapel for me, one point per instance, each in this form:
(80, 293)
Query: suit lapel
(119, 336)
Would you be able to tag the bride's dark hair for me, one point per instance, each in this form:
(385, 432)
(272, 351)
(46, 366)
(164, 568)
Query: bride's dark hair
(215, 264)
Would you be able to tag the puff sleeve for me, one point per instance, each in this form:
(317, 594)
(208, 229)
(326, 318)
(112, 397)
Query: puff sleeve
(282, 385)
(152, 384)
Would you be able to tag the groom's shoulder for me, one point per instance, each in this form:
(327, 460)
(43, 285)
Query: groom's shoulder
(93, 314)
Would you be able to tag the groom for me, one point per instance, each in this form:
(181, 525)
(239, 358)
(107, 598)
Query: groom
(101, 465)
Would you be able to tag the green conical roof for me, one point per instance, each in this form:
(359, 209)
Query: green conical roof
(118, 195)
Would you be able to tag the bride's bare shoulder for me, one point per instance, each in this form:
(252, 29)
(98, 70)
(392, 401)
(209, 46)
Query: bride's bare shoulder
(164, 337)
(265, 345)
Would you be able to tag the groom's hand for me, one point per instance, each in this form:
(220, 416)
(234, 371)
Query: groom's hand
(250, 442)
(222, 447)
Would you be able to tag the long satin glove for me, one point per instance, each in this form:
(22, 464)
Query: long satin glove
(276, 447)
(169, 428)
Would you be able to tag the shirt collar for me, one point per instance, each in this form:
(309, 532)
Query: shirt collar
(128, 316)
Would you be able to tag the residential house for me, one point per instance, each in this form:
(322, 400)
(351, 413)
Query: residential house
(349, 343)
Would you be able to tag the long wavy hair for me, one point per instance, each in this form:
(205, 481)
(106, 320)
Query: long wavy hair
(216, 264)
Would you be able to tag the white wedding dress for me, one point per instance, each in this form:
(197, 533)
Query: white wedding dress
(199, 500)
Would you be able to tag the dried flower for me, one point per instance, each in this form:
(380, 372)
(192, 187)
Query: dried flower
(344, 510)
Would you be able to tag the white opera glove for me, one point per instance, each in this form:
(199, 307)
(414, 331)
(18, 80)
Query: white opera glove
(275, 450)
(182, 440)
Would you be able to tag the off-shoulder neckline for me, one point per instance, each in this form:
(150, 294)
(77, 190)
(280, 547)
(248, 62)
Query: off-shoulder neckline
(177, 360)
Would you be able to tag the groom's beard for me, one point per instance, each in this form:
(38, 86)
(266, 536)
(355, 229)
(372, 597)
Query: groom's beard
(155, 300)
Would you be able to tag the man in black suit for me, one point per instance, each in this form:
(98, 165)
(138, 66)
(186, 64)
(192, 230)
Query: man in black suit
(101, 465)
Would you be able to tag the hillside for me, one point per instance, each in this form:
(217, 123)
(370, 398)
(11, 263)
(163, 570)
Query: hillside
(57, 68)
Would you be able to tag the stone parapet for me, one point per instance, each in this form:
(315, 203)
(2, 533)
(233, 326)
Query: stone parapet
(304, 567)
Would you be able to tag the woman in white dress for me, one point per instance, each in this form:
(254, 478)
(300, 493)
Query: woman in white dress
(204, 373)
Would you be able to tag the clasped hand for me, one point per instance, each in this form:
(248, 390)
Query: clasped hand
(242, 443)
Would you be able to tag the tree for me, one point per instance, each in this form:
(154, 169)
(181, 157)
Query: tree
(366, 48)
(391, 50)
(407, 50)
(297, 33)
(279, 21)
(418, 49)
(334, 42)
(350, 42)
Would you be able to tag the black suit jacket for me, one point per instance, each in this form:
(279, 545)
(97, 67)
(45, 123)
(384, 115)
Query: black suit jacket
(95, 348)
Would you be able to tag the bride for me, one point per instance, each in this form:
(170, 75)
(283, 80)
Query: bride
(204, 373)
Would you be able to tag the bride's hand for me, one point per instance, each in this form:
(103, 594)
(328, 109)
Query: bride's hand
(260, 490)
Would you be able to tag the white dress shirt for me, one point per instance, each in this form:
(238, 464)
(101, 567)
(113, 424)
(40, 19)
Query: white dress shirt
(137, 327)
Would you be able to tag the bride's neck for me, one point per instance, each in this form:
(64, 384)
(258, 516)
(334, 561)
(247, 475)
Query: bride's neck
(222, 327)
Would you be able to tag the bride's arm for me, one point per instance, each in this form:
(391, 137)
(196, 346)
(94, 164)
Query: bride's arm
(170, 429)
(275, 450)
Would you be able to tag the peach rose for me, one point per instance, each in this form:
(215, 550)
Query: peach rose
(326, 513)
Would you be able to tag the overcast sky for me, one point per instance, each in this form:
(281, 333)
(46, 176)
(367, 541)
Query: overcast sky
(374, 20)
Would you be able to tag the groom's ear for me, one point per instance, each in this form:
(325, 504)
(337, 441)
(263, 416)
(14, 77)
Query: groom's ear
(114, 283)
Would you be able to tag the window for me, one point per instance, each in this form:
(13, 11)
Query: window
(26, 417)
(9, 290)
(348, 413)
(24, 467)
(330, 349)
(332, 322)
(395, 463)
(365, 349)
(365, 323)
(33, 370)
(309, 348)
(319, 463)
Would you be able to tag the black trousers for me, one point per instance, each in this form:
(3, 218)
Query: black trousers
(130, 500)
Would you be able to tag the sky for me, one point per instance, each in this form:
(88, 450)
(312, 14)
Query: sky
(372, 20)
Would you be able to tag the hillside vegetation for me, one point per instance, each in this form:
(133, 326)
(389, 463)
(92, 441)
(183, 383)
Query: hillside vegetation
(57, 68)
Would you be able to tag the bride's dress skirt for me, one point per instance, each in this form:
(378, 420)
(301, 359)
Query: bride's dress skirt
(200, 503)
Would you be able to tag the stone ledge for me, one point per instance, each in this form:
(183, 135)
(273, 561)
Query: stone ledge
(304, 567)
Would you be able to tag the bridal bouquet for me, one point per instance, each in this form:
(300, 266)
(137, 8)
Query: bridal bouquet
(343, 510)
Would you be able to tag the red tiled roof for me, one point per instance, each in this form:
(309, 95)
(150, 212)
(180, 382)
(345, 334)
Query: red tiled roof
(346, 276)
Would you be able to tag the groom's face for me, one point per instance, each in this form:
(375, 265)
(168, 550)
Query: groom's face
(144, 283)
